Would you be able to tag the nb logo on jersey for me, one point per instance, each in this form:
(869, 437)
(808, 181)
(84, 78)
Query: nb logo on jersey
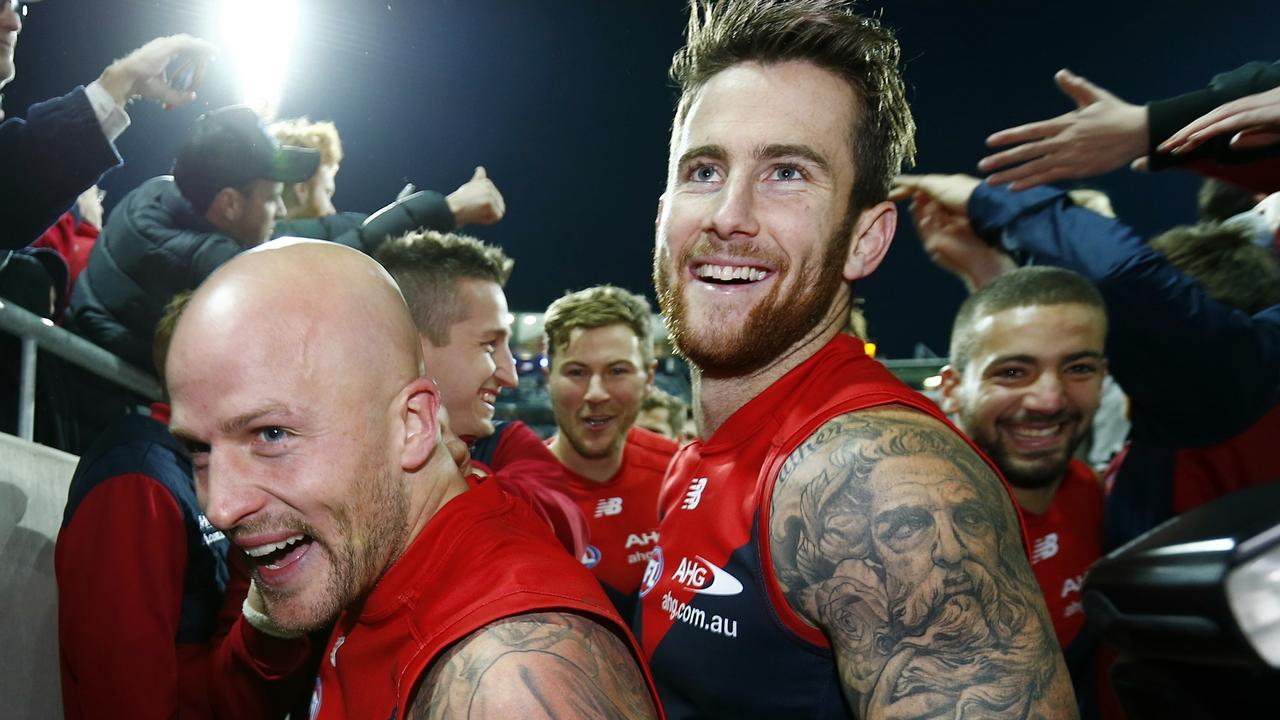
(694, 495)
(609, 506)
(1044, 548)
(701, 576)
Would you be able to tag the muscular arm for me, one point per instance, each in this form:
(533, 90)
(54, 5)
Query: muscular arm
(538, 665)
(890, 535)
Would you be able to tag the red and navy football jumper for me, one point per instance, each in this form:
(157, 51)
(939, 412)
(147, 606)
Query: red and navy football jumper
(721, 639)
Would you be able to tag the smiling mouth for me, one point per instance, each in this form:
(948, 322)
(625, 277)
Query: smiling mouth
(596, 422)
(277, 556)
(729, 274)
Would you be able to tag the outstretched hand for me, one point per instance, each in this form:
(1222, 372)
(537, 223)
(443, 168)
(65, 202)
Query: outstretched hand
(1255, 120)
(938, 210)
(1102, 134)
(143, 72)
(477, 201)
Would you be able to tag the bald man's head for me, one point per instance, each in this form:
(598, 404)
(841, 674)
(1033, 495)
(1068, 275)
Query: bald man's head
(296, 378)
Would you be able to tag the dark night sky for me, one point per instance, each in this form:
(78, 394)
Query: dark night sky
(567, 105)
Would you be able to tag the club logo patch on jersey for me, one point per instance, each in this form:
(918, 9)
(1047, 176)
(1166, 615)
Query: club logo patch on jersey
(702, 576)
(652, 572)
(591, 557)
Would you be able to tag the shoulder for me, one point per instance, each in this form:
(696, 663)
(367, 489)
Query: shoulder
(650, 446)
(569, 665)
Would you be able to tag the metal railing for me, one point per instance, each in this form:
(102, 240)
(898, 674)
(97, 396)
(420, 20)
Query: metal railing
(37, 332)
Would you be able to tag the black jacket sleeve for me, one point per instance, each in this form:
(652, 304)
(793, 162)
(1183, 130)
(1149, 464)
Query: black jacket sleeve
(1166, 117)
(49, 158)
(424, 209)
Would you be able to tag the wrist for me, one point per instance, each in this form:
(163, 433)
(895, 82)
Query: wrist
(117, 83)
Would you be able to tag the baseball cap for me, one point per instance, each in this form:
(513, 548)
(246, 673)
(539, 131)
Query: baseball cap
(230, 147)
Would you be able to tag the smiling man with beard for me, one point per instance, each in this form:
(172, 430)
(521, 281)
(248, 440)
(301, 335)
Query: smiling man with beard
(1024, 381)
(601, 363)
(826, 544)
(298, 386)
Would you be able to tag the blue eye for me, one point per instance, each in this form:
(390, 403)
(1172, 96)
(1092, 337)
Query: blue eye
(704, 173)
(273, 434)
(788, 173)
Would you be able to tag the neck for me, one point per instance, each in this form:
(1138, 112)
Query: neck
(599, 470)
(718, 397)
(1036, 500)
(448, 486)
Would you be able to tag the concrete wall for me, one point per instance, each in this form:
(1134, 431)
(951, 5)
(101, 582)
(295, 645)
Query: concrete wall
(33, 492)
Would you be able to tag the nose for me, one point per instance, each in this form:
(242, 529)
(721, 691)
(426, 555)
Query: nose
(227, 497)
(1046, 395)
(505, 372)
(732, 213)
(949, 550)
(10, 21)
(596, 391)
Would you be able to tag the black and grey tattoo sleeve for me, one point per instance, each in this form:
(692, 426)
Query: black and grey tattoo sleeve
(892, 536)
(539, 665)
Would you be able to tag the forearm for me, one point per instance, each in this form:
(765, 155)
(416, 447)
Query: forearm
(62, 151)
(1167, 116)
(424, 209)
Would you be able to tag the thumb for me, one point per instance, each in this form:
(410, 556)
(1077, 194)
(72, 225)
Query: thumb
(480, 173)
(1079, 89)
(1140, 164)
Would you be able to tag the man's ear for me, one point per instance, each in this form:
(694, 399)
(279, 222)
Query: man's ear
(652, 371)
(301, 192)
(872, 235)
(225, 207)
(950, 389)
(419, 413)
(657, 216)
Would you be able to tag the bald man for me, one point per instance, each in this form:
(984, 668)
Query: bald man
(298, 385)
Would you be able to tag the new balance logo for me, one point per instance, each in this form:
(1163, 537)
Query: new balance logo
(608, 506)
(1044, 548)
(694, 495)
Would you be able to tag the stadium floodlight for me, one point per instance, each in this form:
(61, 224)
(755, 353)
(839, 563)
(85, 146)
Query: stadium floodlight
(259, 36)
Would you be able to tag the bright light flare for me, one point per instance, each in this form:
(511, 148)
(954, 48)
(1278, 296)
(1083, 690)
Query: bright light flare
(259, 36)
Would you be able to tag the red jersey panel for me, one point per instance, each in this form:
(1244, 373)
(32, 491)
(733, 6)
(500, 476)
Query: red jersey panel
(1246, 460)
(1065, 541)
(483, 557)
(622, 512)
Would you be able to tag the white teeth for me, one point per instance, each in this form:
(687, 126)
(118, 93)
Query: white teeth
(272, 547)
(729, 272)
(1037, 432)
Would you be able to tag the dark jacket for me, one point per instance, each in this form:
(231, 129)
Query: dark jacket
(51, 157)
(423, 209)
(153, 247)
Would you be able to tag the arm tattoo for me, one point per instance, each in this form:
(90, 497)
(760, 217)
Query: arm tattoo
(539, 665)
(892, 536)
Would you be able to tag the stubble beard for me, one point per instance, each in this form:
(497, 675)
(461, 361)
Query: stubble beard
(356, 562)
(1034, 474)
(773, 326)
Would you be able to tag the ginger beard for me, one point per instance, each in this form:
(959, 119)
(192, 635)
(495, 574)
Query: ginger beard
(773, 326)
(369, 530)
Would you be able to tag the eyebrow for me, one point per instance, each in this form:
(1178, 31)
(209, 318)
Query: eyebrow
(243, 420)
(762, 152)
(1030, 360)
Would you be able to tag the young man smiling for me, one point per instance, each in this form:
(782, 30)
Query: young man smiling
(830, 546)
(601, 363)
